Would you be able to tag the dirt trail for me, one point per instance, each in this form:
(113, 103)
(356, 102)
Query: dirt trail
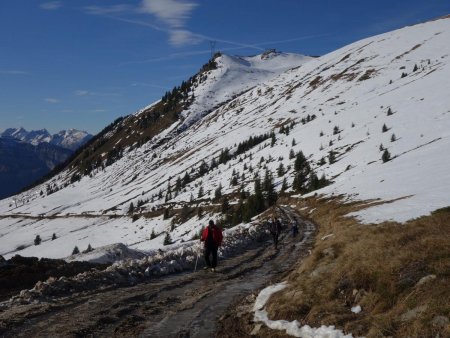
(181, 305)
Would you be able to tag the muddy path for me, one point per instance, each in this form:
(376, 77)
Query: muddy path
(189, 304)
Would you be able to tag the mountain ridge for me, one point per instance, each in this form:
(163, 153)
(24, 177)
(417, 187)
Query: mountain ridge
(342, 110)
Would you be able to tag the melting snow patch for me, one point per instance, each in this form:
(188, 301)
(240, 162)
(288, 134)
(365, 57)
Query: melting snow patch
(292, 328)
(356, 309)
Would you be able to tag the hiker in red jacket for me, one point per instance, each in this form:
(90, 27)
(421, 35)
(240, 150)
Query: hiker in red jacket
(212, 236)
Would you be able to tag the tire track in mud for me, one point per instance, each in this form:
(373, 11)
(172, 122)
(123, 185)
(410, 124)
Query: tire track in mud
(187, 304)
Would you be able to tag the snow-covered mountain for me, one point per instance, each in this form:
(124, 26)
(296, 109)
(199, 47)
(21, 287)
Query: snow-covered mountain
(70, 139)
(373, 117)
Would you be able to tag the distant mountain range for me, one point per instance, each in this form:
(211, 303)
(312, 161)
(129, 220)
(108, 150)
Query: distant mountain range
(70, 139)
(26, 156)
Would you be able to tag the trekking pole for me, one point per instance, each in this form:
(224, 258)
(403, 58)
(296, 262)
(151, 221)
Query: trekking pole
(196, 261)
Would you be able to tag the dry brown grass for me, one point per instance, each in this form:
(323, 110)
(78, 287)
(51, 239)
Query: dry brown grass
(375, 266)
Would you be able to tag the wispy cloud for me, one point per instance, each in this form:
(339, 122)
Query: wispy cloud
(172, 12)
(108, 10)
(179, 37)
(13, 72)
(83, 92)
(51, 100)
(51, 5)
(143, 84)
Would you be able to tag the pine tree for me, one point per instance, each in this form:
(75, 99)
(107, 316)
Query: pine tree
(386, 156)
(200, 192)
(218, 192)
(384, 128)
(153, 235)
(331, 157)
(393, 138)
(167, 239)
(131, 208)
(300, 161)
(258, 197)
(269, 187)
(415, 68)
(291, 154)
(381, 147)
(186, 179)
(284, 185)
(166, 213)
(293, 142)
(280, 170)
(178, 184)
(322, 161)
(75, 251)
(335, 130)
(89, 248)
(37, 240)
(225, 206)
(389, 112)
(185, 211)
(53, 236)
(272, 142)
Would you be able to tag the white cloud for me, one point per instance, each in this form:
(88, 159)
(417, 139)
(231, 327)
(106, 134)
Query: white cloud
(172, 12)
(12, 72)
(81, 92)
(108, 10)
(179, 37)
(51, 100)
(51, 5)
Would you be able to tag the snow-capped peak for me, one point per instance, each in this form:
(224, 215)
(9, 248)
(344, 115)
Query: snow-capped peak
(234, 75)
(69, 139)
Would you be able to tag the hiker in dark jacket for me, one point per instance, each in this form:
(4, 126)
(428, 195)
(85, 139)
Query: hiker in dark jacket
(275, 230)
(212, 236)
(294, 228)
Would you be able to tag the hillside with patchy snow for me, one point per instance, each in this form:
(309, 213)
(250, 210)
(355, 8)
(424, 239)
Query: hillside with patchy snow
(387, 94)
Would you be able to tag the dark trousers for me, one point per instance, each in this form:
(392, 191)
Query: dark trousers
(275, 239)
(211, 251)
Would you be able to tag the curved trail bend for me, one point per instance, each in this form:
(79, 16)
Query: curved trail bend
(182, 305)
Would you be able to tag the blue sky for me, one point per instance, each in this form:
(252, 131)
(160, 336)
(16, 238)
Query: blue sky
(81, 64)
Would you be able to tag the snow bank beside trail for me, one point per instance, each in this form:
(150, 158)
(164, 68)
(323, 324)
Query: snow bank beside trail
(108, 254)
(292, 328)
(174, 258)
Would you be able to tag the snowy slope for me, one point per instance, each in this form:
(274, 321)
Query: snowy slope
(235, 75)
(352, 89)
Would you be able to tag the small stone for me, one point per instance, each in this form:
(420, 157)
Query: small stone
(413, 313)
(256, 330)
(51, 280)
(440, 321)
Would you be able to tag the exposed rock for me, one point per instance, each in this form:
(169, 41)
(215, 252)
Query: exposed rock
(413, 313)
(321, 270)
(329, 252)
(425, 279)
